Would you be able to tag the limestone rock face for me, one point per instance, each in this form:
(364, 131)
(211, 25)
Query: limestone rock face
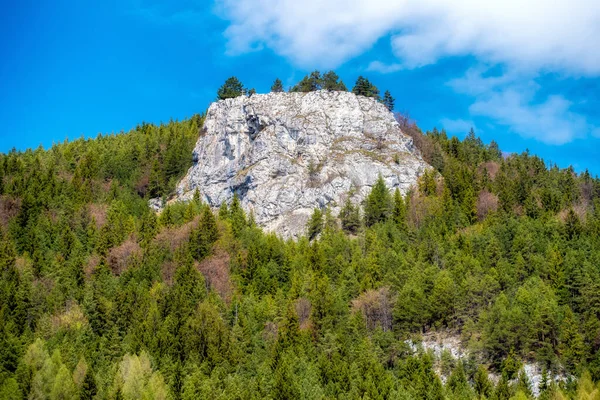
(286, 153)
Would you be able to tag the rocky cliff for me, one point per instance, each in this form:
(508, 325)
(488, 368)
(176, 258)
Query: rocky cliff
(286, 153)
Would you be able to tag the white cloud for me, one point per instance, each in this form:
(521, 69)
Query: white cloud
(526, 39)
(535, 34)
(510, 99)
(551, 122)
(459, 126)
(378, 66)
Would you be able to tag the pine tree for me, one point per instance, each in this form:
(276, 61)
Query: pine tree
(399, 210)
(309, 83)
(503, 391)
(378, 203)
(331, 82)
(350, 217)
(388, 100)
(365, 88)
(88, 387)
(315, 224)
(277, 86)
(196, 199)
(572, 225)
(203, 237)
(231, 88)
(481, 383)
(156, 180)
(469, 205)
(223, 211)
(523, 384)
(237, 216)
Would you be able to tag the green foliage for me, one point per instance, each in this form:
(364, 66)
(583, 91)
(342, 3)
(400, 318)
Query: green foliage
(88, 387)
(309, 83)
(388, 100)
(332, 82)
(232, 88)
(191, 304)
(315, 224)
(378, 203)
(363, 87)
(315, 81)
(277, 86)
(204, 236)
(350, 217)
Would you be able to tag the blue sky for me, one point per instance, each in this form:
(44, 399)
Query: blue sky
(525, 74)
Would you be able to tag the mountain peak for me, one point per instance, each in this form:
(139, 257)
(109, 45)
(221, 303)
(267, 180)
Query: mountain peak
(285, 154)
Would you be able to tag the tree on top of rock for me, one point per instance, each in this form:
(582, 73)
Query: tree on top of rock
(331, 81)
(231, 88)
(277, 86)
(315, 81)
(388, 100)
(365, 88)
(309, 83)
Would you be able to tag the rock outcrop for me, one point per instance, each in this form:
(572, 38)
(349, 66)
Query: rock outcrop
(286, 153)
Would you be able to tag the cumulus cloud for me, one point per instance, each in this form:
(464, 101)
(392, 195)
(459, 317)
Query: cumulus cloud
(535, 34)
(459, 126)
(378, 66)
(511, 99)
(526, 38)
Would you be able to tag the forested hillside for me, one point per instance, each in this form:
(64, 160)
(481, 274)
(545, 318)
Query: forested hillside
(101, 298)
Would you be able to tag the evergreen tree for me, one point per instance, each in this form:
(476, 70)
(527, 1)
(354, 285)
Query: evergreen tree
(331, 82)
(378, 203)
(224, 211)
(237, 215)
(88, 387)
(277, 86)
(350, 217)
(365, 88)
(572, 225)
(315, 224)
(388, 100)
(399, 210)
(231, 88)
(205, 235)
(309, 83)
(481, 383)
(469, 205)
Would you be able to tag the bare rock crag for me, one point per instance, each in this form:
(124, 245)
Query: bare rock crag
(286, 153)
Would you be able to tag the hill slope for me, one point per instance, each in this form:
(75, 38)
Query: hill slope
(285, 154)
(100, 298)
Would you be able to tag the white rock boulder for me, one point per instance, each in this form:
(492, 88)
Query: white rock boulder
(286, 153)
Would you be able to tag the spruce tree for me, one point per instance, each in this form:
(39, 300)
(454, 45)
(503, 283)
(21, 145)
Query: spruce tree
(365, 88)
(572, 225)
(315, 224)
(388, 100)
(203, 237)
(350, 217)
(231, 88)
(309, 83)
(399, 209)
(88, 387)
(237, 215)
(378, 203)
(224, 211)
(277, 86)
(331, 82)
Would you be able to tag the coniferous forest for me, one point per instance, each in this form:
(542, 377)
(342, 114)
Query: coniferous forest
(102, 298)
